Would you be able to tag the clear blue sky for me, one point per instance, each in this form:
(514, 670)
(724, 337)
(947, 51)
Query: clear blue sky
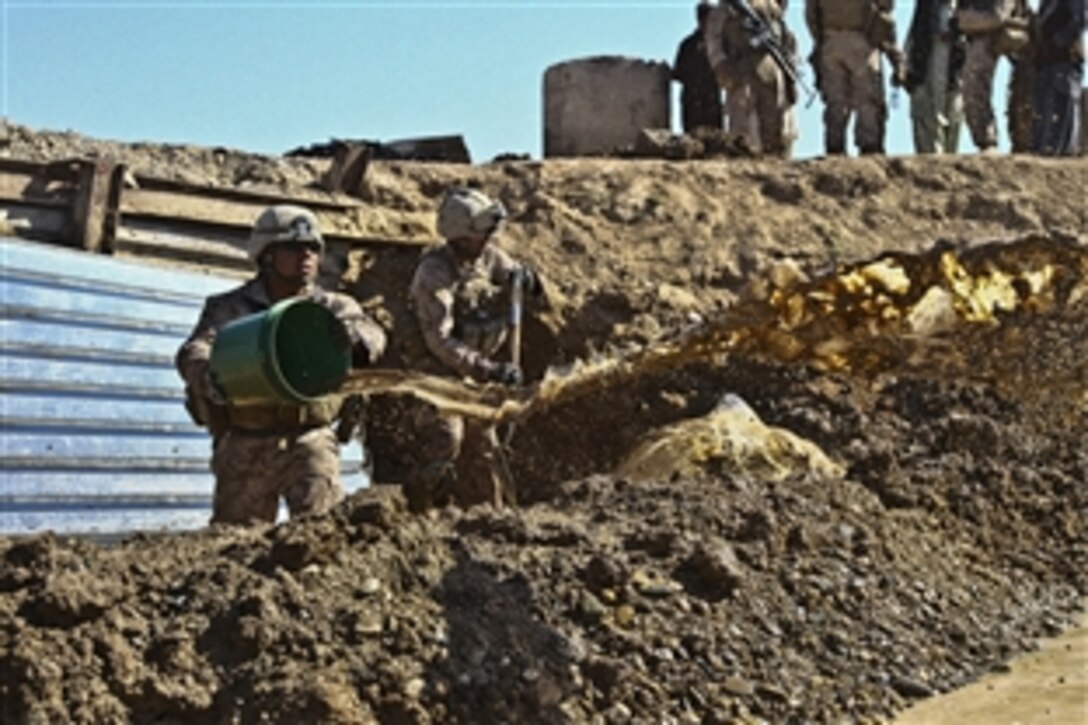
(270, 76)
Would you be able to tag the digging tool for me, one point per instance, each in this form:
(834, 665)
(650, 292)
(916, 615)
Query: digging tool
(517, 299)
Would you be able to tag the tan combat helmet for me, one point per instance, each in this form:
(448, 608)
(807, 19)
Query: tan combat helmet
(467, 212)
(283, 223)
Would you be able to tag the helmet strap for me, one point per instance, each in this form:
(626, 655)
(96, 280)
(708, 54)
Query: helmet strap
(467, 249)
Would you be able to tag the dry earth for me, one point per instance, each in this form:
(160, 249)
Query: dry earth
(953, 536)
(1045, 687)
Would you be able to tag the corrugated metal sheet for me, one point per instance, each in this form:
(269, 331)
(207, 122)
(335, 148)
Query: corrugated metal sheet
(94, 436)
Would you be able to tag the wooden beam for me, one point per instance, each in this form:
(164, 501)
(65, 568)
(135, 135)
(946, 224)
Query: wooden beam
(28, 184)
(33, 221)
(91, 208)
(88, 205)
(246, 196)
(190, 207)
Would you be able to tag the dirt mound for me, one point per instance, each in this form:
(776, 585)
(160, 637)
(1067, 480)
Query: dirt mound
(949, 532)
(955, 537)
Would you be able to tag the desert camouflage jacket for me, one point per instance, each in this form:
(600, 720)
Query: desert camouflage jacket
(463, 307)
(727, 37)
(193, 356)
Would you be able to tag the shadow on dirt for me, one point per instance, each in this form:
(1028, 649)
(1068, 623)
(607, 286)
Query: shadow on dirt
(505, 663)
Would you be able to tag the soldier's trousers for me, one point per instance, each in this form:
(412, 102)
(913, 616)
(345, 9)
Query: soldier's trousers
(852, 83)
(1020, 112)
(253, 470)
(1058, 108)
(756, 104)
(936, 110)
(458, 453)
(978, 84)
(700, 108)
(742, 120)
(740, 117)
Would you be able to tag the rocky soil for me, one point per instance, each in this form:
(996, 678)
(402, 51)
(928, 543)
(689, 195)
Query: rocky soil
(952, 538)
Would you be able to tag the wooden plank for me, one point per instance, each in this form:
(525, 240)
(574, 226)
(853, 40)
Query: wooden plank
(348, 169)
(191, 207)
(85, 204)
(92, 217)
(254, 197)
(34, 189)
(229, 217)
(32, 221)
(194, 246)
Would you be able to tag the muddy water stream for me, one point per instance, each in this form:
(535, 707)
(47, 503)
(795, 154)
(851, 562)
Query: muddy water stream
(1048, 686)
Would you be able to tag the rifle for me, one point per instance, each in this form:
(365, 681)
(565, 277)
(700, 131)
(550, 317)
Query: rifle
(762, 37)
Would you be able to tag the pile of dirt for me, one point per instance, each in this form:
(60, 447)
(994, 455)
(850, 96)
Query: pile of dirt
(954, 539)
(948, 534)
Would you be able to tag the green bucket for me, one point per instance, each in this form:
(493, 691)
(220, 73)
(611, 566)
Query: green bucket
(294, 352)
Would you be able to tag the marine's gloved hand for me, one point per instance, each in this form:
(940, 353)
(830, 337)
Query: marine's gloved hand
(506, 373)
(911, 81)
(213, 391)
(361, 355)
(899, 70)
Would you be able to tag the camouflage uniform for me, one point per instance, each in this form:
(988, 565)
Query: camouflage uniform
(984, 47)
(934, 77)
(849, 66)
(1059, 59)
(463, 312)
(753, 83)
(263, 452)
(742, 121)
(1020, 112)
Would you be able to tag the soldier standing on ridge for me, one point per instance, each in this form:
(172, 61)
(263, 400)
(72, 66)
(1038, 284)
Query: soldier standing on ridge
(753, 82)
(993, 28)
(934, 77)
(700, 96)
(1059, 62)
(850, 36)
(262, 452)
(461, 293)
(1020, 110)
